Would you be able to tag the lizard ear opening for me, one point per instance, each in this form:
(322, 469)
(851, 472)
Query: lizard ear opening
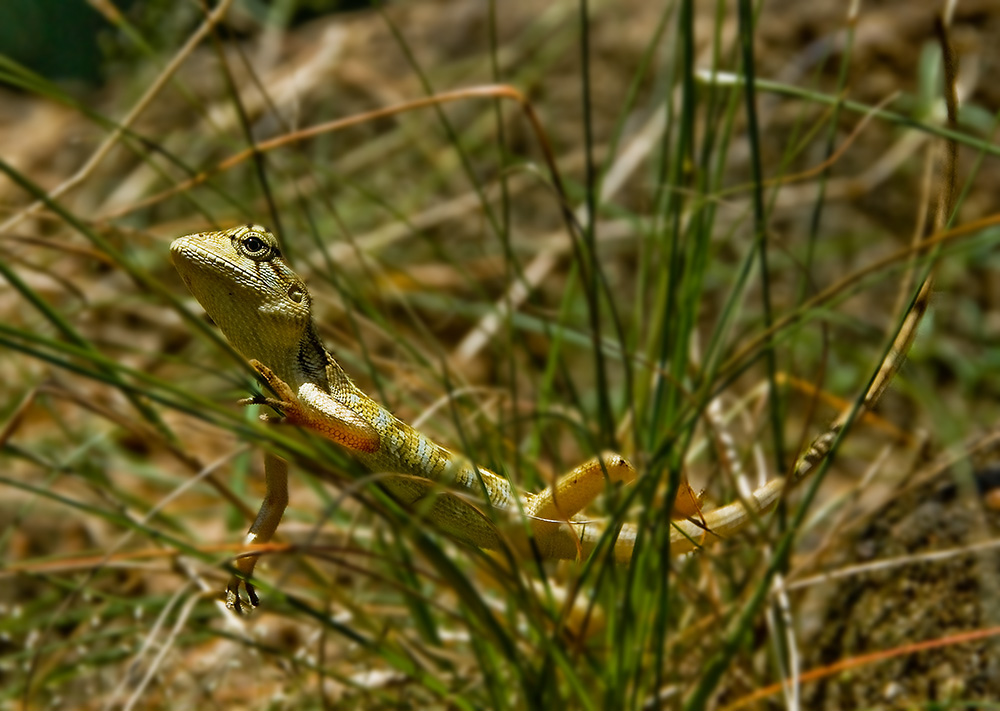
(296, 293)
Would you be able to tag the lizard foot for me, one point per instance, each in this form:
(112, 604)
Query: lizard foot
(270, 402)
(286, 400)
(235, 602)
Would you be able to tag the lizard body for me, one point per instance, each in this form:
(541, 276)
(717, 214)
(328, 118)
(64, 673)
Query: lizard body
(264, 309)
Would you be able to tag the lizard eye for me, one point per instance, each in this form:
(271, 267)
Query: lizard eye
(254, 247)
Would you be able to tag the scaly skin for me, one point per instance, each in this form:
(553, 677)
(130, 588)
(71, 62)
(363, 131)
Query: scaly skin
(264, 310)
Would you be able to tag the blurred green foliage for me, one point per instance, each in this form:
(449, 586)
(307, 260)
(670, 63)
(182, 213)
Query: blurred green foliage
(55, 38)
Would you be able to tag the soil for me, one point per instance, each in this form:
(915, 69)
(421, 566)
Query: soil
(894, 607)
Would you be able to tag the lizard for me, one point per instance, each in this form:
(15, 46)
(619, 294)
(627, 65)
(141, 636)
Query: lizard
(264, 309)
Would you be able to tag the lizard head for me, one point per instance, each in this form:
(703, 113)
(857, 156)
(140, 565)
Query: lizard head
(242, 281)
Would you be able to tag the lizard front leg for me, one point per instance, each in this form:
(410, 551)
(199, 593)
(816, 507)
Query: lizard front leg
(336, 422)
(271, 510)
(314, 409)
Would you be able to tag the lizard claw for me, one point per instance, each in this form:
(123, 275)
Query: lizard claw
(285, 402)
(270, 402)
(279, 386)
(234, 601)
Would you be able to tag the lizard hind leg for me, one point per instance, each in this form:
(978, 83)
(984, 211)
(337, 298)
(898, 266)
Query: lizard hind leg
(574, 491)
(552, 509)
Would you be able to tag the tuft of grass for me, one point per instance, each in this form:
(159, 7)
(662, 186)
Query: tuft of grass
(535, 233)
